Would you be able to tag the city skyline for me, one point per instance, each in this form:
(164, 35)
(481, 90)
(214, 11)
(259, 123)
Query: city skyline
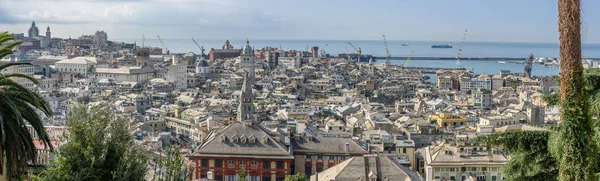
(531, 21)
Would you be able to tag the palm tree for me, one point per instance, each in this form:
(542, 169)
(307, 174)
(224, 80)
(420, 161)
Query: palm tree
(18, 108)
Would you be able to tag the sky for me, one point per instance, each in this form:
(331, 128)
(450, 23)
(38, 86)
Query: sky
(432, 20)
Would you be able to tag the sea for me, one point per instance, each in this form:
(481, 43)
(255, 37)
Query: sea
(420, 48)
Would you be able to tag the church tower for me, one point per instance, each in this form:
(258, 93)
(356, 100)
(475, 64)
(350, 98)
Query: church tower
(48, 34)
(246, 108)
(247, 62)
(371, 68)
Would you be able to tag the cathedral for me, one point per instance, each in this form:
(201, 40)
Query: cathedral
(33, 30)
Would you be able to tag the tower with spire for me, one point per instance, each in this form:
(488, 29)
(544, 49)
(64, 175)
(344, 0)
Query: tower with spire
(246, 108)
(247, 62)
(371, 68)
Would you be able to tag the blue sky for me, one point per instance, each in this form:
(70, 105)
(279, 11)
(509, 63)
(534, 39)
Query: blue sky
(486, 20)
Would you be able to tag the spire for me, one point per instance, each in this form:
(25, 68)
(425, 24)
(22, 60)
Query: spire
(247, 41)
(246, 86)
(48, 29)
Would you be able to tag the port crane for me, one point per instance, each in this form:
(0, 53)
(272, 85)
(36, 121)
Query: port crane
(358, 51)
(163, 45)
(462, 45)
(387, 53)
(406, 61)
(200, 47)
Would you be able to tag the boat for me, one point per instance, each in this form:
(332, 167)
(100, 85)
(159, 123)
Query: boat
(501, 62)
(405, 44)
(442, 46)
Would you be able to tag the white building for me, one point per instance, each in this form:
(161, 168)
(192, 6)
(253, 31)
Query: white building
(483, 81)
(125, 74)
(80, 65)
(177, 74)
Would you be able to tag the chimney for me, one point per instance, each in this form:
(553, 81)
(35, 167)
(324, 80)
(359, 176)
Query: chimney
(210, 175)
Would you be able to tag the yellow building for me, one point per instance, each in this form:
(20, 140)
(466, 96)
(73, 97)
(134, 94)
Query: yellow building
(445, 120)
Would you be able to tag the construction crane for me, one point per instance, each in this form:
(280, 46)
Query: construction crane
(348, 54)
(462, 45)
(408, 59)
(200, 47)
(358, 51)
(387, 52)
(163, 45)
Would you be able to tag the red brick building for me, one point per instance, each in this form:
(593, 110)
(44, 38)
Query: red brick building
(223, 53)
(243, 146)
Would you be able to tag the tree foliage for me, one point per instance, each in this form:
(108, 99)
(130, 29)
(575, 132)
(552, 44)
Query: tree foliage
(296, 177)
(171, 167)
(20, 108)
(99, 147)
(530, 158)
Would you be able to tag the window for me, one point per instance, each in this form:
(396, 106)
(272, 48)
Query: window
(242, 162)
(230, 162)
(307, 156)
(280, 164)
(320, 157)
(266, 178)
(218, 164)
(319, 169)
(308, 170)
(280, 179)
(218, 177)
(494, 169)
(266, 164)
(204, 163)
(473, 168)
(493, 178)
(403, 150)
(437, 169)
(484, 169)
(452, 178)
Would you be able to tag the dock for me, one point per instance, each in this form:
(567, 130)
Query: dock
(454, 58)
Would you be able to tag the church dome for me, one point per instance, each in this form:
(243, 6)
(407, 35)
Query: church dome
(202, 63)
(247, 50)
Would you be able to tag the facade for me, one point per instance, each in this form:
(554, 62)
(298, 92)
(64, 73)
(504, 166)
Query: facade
(465, 83)
(503, 120)
(483, 81)
(100, 39)
(497, 82)
(81, 65)
(444, 120)
(242, 146)
(125, 74)
(451, 161)
(444, 82)
(177, 74)
(482, 98)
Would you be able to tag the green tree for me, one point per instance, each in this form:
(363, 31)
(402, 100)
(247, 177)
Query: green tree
(19, 108)
(172, 167)
(99, 147)
(242, 175)
(569, 151)
(296, 177)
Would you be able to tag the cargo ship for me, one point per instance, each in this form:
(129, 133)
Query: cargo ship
(442, 46)
(354, 56)
(405, 44)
